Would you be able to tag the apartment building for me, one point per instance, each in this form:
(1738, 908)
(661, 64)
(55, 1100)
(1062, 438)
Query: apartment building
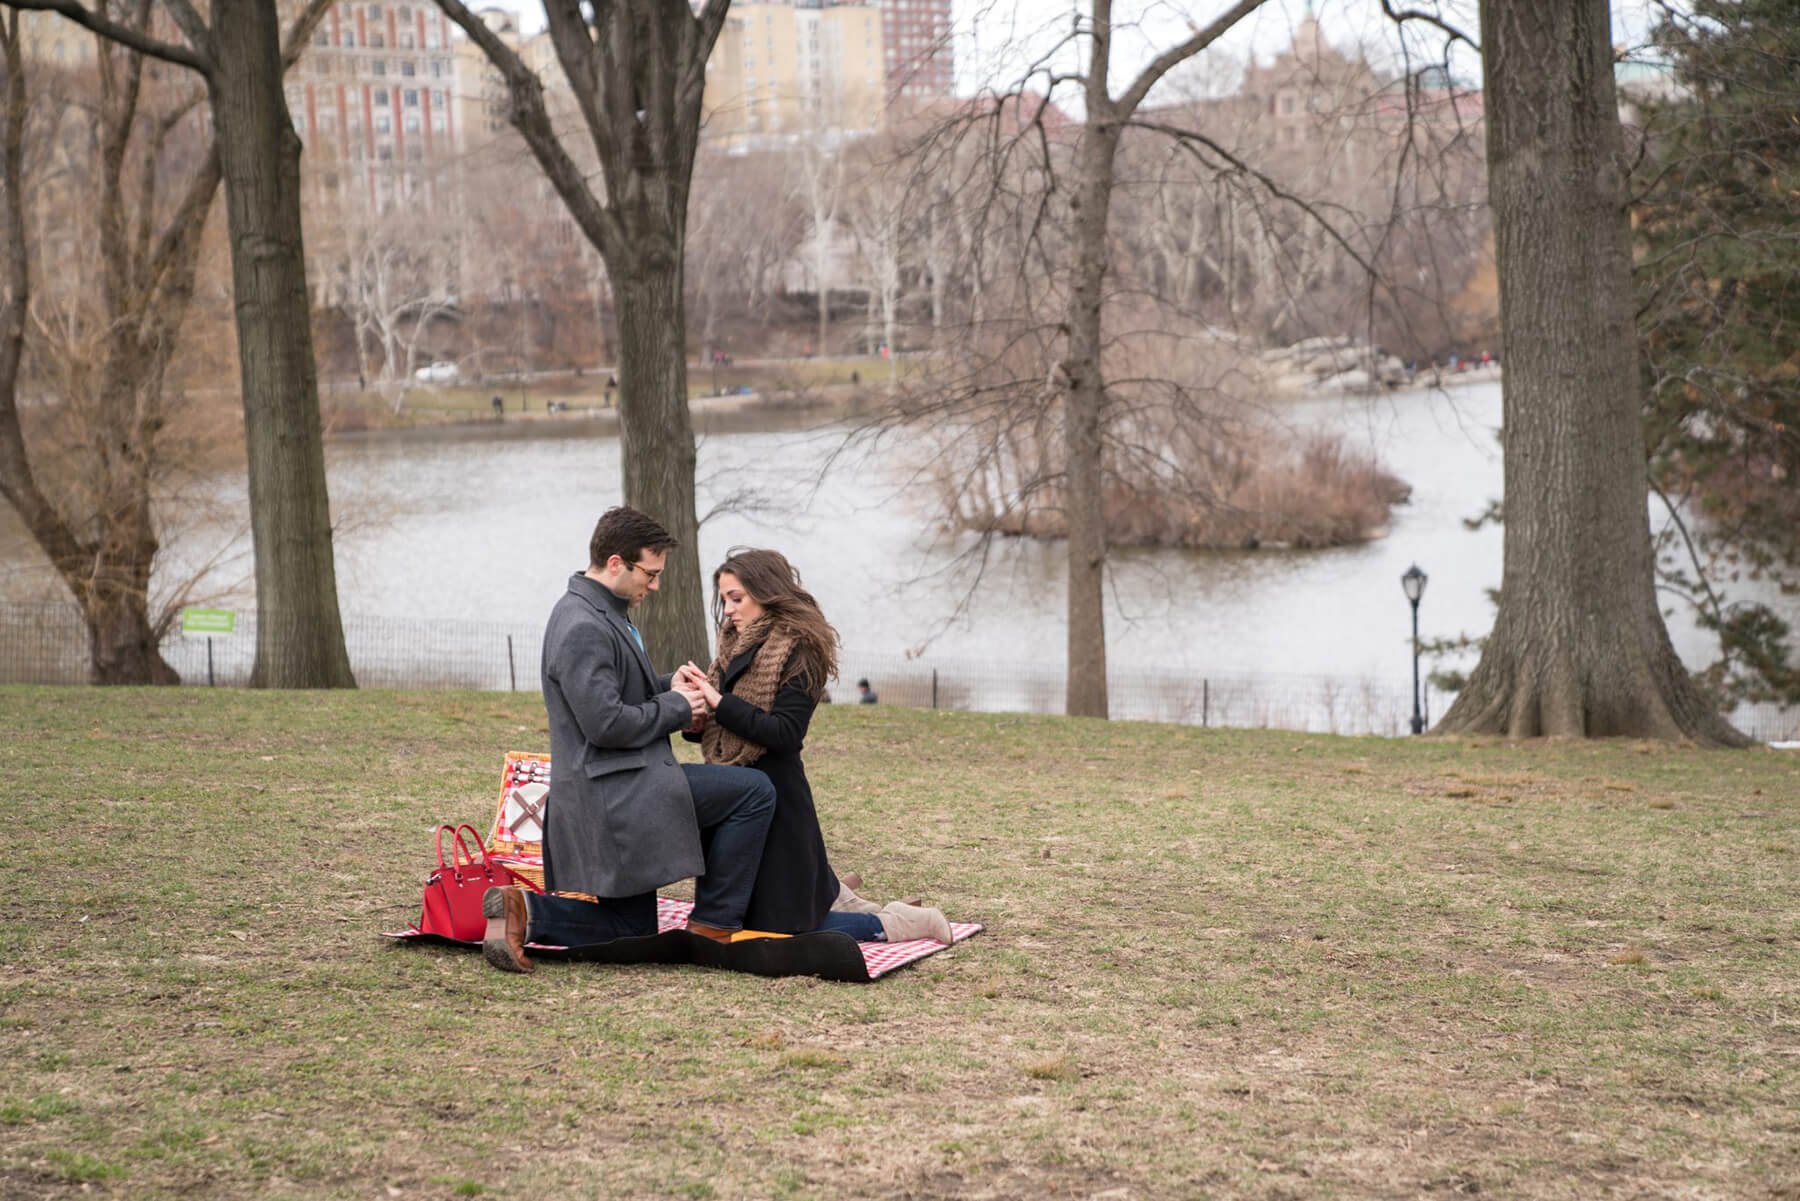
(48, 37)
(480, 97)
(919, 61)
(371, 99)
(784, 71)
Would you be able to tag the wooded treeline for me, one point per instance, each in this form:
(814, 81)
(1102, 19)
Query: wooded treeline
(1087, 293)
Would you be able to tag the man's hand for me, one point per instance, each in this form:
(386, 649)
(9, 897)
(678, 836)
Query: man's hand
(690, 673)
(694, 697)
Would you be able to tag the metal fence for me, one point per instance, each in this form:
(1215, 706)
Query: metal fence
(47, 644)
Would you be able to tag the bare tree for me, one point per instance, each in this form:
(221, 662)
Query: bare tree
(240, 54)
(1093, 389)
(109, 328)
(637, 69)
(734, 265)
(877, 213)
(820, 185)
(1081, 379)
(1579, 648)
(397, 279)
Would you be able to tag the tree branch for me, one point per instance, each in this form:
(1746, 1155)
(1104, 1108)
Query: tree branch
(301, 31)
(1414, 14)
(530, 118)
(1163, 63)
(125, 35)
(1185, 137)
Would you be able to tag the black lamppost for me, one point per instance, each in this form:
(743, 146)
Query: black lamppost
(1413, 582)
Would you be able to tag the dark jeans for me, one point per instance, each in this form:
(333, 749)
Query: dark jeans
(734, 806)
(571, 922)
(863, 927)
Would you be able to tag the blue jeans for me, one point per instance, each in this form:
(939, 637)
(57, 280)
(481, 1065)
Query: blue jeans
(572, 922)
(863, 927)
(734, 806)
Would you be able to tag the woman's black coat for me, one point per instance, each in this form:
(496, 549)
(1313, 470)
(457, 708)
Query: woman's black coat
(795, 885)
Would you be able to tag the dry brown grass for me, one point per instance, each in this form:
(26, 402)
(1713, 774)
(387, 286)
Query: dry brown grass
(1217, 963)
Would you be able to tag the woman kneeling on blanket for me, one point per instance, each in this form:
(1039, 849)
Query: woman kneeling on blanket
(776, 653)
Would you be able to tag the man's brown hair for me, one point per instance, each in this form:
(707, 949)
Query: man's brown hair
(627, 533)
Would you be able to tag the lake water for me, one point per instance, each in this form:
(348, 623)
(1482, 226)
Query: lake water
(486, 524)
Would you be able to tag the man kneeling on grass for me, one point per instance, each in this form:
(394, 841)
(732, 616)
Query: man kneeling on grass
(624, 817)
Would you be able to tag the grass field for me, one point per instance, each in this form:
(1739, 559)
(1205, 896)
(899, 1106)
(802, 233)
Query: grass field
(469, 400)
(1217, 964)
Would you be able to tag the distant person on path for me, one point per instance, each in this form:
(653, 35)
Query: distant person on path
(623, 817)
(776, 652)
(865, 694)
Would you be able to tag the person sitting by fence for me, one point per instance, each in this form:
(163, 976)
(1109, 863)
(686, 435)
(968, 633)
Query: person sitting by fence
(865, 694)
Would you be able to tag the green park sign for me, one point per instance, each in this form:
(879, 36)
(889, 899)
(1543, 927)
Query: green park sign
(208, 621)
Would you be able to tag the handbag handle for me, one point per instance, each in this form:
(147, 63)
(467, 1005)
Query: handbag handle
(442, 866)
(461, 858)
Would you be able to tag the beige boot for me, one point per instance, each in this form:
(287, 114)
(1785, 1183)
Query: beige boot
(903, 923)
(849, 902)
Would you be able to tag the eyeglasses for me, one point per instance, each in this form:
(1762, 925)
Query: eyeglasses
(648, 574)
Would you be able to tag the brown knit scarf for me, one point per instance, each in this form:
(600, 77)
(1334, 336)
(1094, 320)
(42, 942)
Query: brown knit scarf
(758, 685)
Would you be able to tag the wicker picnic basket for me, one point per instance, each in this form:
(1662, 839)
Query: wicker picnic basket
(517, 839)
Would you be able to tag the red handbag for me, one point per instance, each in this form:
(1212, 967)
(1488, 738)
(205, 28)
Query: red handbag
(453, 892)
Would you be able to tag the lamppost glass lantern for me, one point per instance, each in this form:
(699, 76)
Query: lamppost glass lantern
(1413, 584)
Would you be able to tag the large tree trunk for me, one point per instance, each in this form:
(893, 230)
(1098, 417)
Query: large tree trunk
(1579, 648)
(1084, 410)
(658, 451)
(115, 602)
(299, 632)
(638, 70)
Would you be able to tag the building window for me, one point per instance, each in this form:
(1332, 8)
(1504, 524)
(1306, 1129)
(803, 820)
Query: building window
(414, 153)
(384, 123)
(406, 41)
(381, 98)
(411, 123)
(406, 67)
(321, 38)
(348, 39)
(374, 12)
(436, 71)
(376, 41)
(437, 122)
(410, 98)
(405, 14)
(437, 100)
(379, 66)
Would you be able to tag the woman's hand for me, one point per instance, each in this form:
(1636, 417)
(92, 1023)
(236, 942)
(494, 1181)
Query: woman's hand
(690, 676)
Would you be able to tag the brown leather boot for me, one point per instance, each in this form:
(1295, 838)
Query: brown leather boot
(508, 924)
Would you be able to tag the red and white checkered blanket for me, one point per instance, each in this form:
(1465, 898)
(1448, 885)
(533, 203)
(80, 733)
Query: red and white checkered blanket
(881, 957)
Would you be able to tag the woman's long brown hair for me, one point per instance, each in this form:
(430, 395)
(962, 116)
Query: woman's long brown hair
(774, 583)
